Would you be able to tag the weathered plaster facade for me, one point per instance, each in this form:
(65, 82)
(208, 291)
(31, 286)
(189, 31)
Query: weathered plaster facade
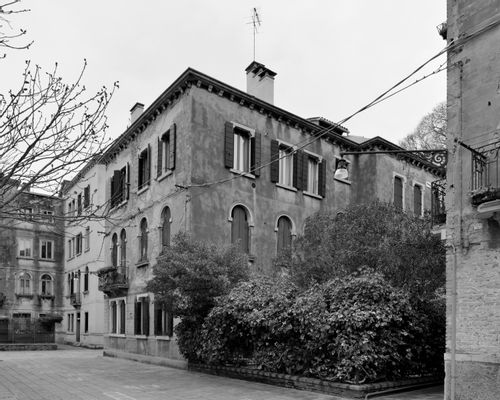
(473, 266)
(201, 190)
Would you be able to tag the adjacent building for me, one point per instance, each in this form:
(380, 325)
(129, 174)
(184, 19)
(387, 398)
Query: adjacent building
(31, 268)
(473, 223)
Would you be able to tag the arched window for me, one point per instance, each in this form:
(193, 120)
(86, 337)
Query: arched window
(165, 227)
(25, 284)
(114, 250)
(143, 250)
(123, 248)
(240, 228)
(86, 280)
(284, 233)
(46, 281)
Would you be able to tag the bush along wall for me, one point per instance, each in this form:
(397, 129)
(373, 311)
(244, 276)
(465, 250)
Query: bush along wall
(356, 329)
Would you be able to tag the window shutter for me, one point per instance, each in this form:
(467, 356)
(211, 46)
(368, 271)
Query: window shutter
(172, 139)
(127, 191)
(322, 178)
(298, 166)
(157, 318)
(417, 200)
(146, 316)
(275, 164)
(148, 165)
(398, 193)
(305, 170)
(159, 158)
(112, 190)
(170, 324)
(86, 196)
(122, 317)
(229, 145)
(256, 154)
(137, 317)
(116, 184)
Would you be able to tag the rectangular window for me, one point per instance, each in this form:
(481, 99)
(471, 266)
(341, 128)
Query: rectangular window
(166, 152)
(86, 323)
(285, 166)
(86, 196)
(69, 323)
(25, 247)
(122, 317)
(87, 238)
(47, 215)
(398, 192)
(241, 150)
(164, 321)
(312, 175)
(113, 317)
(78, 244)
(417, 200)
(119, 186)
(47, 249)
(144, 168)
(26, 211)
(141, 316)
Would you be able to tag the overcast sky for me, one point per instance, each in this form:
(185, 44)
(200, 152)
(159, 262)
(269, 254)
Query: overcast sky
(331, 56)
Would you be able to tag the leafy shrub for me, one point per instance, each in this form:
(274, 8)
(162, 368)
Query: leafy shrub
(188, 277)
(376, 235)
(353, 329)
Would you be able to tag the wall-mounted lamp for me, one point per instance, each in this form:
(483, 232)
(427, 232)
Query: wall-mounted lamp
(341, 172)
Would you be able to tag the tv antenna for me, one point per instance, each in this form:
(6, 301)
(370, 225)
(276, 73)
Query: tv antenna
(256, 24)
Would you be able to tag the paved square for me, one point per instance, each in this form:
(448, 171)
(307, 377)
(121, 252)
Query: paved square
(82, 374)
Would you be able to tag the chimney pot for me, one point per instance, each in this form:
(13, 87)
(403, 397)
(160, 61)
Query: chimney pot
(135, 112)
(260, 81)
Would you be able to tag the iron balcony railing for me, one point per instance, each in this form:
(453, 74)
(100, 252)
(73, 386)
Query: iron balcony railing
(113, 280)
(485, 174)
(438, 207)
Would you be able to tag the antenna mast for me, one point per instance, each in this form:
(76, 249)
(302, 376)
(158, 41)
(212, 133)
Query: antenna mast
(256, 23)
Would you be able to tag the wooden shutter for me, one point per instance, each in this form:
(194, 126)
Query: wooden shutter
(122, 317)
(145, 315)
(159, 159)
(116, 185)
(148, 165)
(229, 145)
(86, 196)
(137, 317)
(398, 193)
(417, 200)
(172, 139)
(128, 181)
(275, 164)
(298, 170)
(239, 228)
(322, 178)
(256, 154)
(305, 170)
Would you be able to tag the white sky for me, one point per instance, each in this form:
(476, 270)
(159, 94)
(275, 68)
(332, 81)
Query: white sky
(331, 56)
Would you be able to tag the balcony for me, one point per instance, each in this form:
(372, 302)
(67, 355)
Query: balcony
(75, 300)
(438, 209)
(113, 281)
(485, 184)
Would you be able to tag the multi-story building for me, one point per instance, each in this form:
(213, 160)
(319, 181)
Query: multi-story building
(226, 166)
(473, 269)
(31, 267)
(85, 215)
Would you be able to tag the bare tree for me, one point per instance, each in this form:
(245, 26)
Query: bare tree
(430, 133)
(7, 37)
(49, 130)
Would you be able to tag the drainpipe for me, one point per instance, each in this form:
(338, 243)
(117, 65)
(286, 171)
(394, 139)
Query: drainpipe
(453, 333)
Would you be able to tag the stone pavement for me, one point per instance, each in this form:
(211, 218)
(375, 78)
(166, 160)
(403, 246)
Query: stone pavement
(82, 374)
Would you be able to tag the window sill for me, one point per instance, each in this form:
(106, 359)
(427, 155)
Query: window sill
(142, 263)
(165, 338)
(291, 188)
(26, 296)
(143, 189)
(313, 195)
(47, 259)
(164, 175)
(117, 335)
(242, 173)
(120, 205)
(24, 258)
(346, 181)
(141, 337)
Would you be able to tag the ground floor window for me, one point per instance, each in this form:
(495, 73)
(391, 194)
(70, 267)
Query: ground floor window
(141, 316)
(117, 316)
(86, 322)
(164, 321)
(71, 322)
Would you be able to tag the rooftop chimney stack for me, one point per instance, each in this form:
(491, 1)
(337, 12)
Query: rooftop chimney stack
(135, 112)
(260, 81)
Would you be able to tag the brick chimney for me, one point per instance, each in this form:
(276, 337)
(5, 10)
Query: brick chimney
(260, 81)
(136, 111)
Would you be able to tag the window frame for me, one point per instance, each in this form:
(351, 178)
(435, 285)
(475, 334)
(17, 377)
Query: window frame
(277, 230)
(144, 169)
(422, 190)
(143, 240)
(403, 184)
(142, 314)
(249, 220)
(44, 291)
(52, 249)
(23, 289)
(24, 239)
